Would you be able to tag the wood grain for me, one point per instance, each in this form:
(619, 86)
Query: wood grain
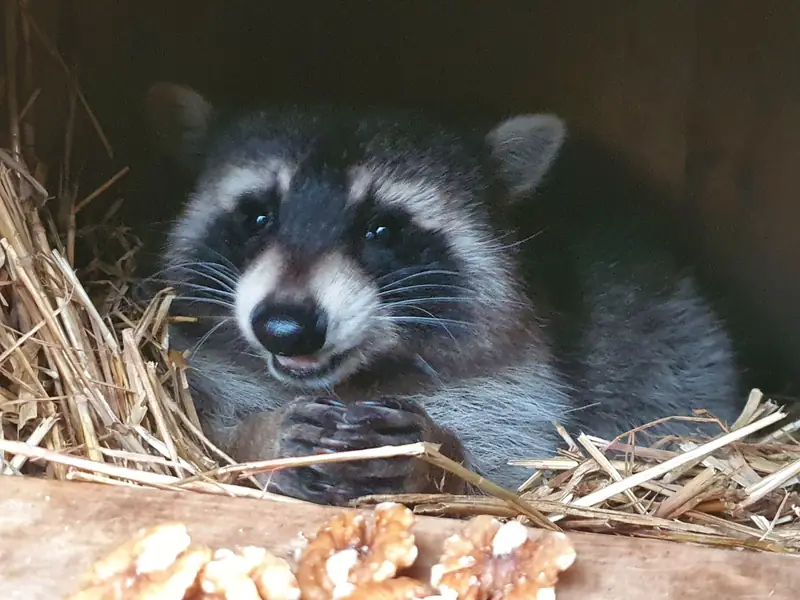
(51, 531)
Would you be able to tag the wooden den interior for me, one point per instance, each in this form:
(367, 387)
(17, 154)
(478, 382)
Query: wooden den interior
(702, 100)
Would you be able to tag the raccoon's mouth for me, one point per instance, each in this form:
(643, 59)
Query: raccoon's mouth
(307, 369)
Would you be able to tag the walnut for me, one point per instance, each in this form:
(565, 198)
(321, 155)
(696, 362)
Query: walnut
(250, 574)
(150, 550)
(161, 564)
(274, 578)
(400, 588)
(158, 563)
(353, 550)
(490, 561)
(353, 557)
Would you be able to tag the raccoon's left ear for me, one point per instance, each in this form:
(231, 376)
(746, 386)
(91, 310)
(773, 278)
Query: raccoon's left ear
(179, 118)
(524, 147)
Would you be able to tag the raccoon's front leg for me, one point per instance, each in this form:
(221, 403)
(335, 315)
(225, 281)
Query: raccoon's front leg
(324, 425)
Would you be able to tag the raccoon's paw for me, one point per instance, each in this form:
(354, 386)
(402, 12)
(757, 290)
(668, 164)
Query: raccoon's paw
(326, 425)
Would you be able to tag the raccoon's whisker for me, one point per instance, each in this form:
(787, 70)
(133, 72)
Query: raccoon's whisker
(201, 300)
(221, 269)
(214, 267)
(413, 275)
(225, 260)
(431, 315)
(429, 369)
(196, 286)
(431, 321)
(216, 272)
(423, 286)
(224, 280)
(432, 299)
(424, 320)
(207, 317)
(520, 242)
(447, 299)
(209, 333)
(416, 272)
(221, 286)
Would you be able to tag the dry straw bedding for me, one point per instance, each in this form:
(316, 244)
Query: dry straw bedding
(90, 391)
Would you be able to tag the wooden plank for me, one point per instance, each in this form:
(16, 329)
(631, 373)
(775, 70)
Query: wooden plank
(51, 531)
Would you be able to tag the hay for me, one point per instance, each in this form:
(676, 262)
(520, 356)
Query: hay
(732, 491)
(90, 391)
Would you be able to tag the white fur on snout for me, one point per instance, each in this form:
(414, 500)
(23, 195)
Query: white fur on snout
(342, 291)
(348, 298)
(259, 281)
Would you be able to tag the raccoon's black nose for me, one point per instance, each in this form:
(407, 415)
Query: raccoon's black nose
(289, 330)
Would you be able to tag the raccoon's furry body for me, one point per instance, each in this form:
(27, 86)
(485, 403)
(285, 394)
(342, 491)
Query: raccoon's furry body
(409, 318)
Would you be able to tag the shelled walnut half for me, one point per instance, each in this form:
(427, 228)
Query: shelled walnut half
(494, 561)
(353, 550)
(161, 563)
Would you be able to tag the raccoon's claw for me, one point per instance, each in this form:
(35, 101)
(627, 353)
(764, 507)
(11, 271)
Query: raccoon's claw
(323, 488)
(322, 426)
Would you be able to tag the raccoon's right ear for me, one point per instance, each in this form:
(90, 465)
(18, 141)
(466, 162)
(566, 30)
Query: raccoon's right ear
(179, 118)
(524, 147)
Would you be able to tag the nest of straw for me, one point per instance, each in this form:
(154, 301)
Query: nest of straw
(90, 391)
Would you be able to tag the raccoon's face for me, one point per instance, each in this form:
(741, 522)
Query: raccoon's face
(330, 242)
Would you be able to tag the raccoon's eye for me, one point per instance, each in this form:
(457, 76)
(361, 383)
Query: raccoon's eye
(384, 229)
(258, 212)
(260, 221)
(379, 233)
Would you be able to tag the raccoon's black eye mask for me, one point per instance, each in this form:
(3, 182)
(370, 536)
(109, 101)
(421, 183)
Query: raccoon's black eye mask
(386, 239)
(257, 213)
(378, 227)
(255, 218)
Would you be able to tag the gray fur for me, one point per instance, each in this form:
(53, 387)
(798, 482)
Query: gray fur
(525, 146)
(643, 354)
(647, 356)
(514, 408)
(180, 118)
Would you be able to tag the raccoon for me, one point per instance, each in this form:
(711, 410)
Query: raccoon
(356, 283)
